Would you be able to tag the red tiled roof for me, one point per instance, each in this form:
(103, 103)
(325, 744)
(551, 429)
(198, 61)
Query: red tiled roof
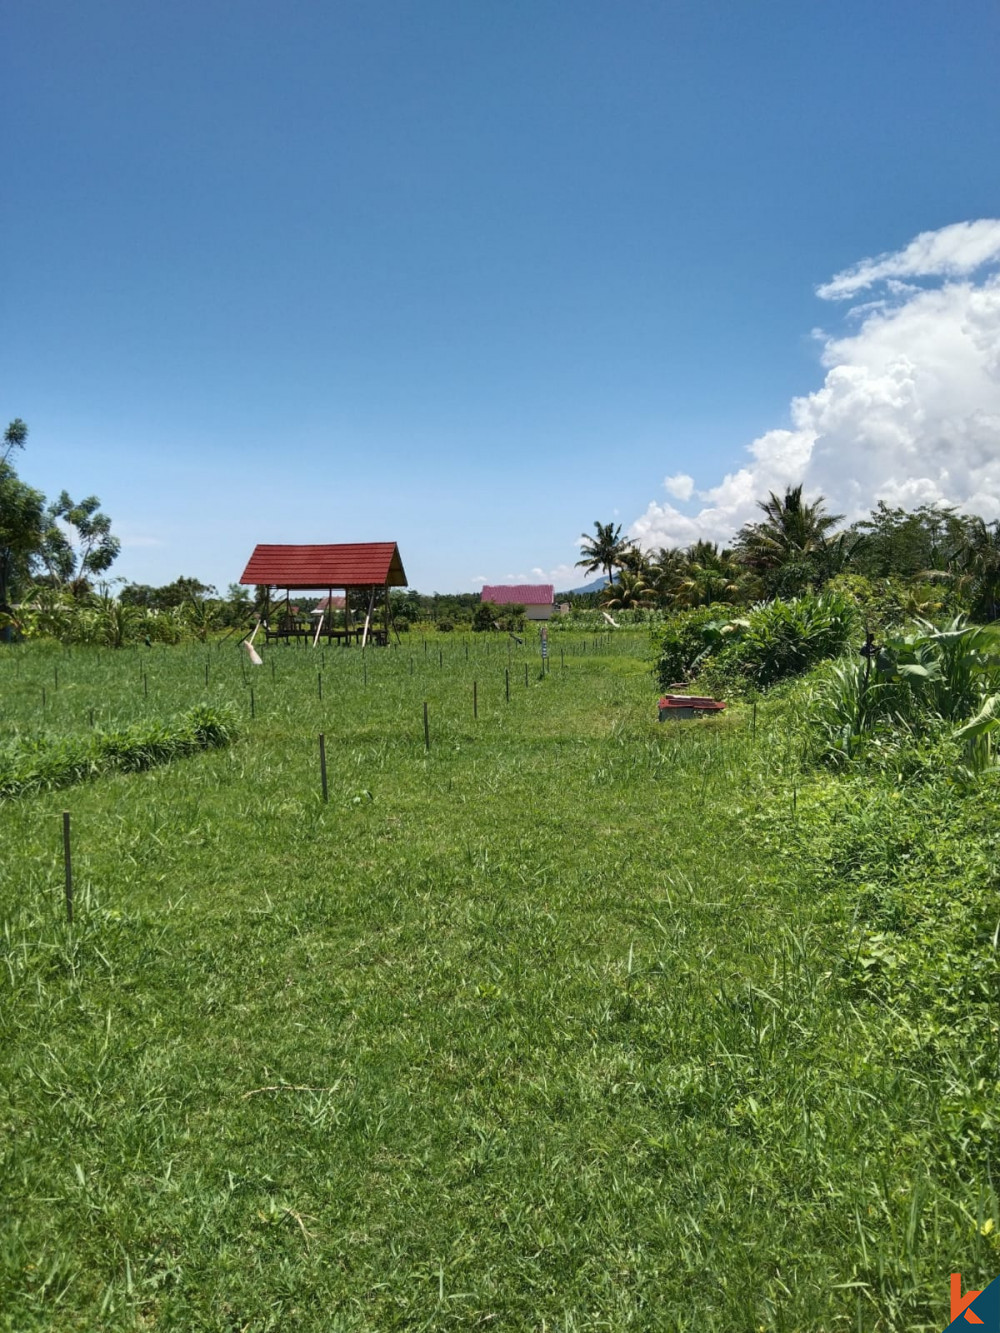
(334, 603)
(351, 565)
(523, 594)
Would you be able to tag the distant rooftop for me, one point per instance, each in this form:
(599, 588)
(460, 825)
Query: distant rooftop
(519, 594)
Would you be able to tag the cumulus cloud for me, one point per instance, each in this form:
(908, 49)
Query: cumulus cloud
(909, 410)
(951, 252)
(681, 486)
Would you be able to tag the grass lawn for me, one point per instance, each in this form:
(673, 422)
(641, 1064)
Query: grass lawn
(553, 1026)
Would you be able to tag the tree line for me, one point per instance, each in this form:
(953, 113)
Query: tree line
(932, 557)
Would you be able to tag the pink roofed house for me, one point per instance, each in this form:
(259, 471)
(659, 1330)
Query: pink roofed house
(538, 599)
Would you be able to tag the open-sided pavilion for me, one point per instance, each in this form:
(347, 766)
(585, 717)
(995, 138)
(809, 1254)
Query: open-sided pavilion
(368, 568)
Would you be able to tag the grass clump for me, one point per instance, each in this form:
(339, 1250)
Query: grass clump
(50, 762)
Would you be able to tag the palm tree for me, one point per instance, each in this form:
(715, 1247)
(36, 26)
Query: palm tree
(787, 545)
(631, 590)
(709, 575)
(978, 560)
(604, 550)
(667, 569)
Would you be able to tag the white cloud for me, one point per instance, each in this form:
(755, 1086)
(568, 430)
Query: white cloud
(951, 252)
(909, 411)
(128, 542)
(680, 486)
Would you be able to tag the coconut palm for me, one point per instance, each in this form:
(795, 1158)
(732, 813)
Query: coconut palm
(978, 565)
(629, 591)
(787, 545)
(604, 550)
(709, 575)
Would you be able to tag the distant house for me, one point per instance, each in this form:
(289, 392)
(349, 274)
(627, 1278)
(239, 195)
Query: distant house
(538, 599)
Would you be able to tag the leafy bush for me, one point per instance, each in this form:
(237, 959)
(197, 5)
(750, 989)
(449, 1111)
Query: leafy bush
(919, 684)
(688, 640)
(785, 638)
(46, 764)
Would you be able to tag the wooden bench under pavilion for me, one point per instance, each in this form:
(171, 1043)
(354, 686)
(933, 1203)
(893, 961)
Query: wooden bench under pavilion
(368, 568)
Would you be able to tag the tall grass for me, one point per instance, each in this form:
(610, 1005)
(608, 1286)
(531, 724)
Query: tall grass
(574, 1021)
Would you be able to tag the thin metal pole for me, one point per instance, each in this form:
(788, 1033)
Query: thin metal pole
(506, 676)
(322, 765)
(427, 729)
(253, 709)
(68, 865)
(319, 683)
(475, 698)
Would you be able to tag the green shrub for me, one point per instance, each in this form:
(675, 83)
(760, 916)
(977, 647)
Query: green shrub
(40, 764)
(919, 684)
(785, 638)
(687, 641)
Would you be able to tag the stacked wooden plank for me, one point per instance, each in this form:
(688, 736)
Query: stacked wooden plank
(679, 706)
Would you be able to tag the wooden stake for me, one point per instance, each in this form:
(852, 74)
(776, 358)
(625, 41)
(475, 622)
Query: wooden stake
(68, 867)
(322, 766)
(427, 729)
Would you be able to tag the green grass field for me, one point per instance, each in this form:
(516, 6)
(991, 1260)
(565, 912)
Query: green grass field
(556, 1025)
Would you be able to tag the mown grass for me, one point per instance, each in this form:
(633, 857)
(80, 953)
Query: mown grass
(557, 1025)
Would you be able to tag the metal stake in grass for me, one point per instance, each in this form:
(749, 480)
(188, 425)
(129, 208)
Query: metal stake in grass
(319, 683)
(272, 668)
(68, 867)
(427, 729)
(506, 677)
(440, 657)
(525, 673)
(207, 660)
(253, 709)
(43, 698)
(91, 719)
(145, 686)
(364, 666)
(475, 698)
(322, 766)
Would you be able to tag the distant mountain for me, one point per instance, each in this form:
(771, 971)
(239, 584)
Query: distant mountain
(596, 586)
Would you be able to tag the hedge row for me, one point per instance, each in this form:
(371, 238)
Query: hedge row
(46, 764)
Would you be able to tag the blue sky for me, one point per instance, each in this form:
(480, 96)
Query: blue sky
(471, 276)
